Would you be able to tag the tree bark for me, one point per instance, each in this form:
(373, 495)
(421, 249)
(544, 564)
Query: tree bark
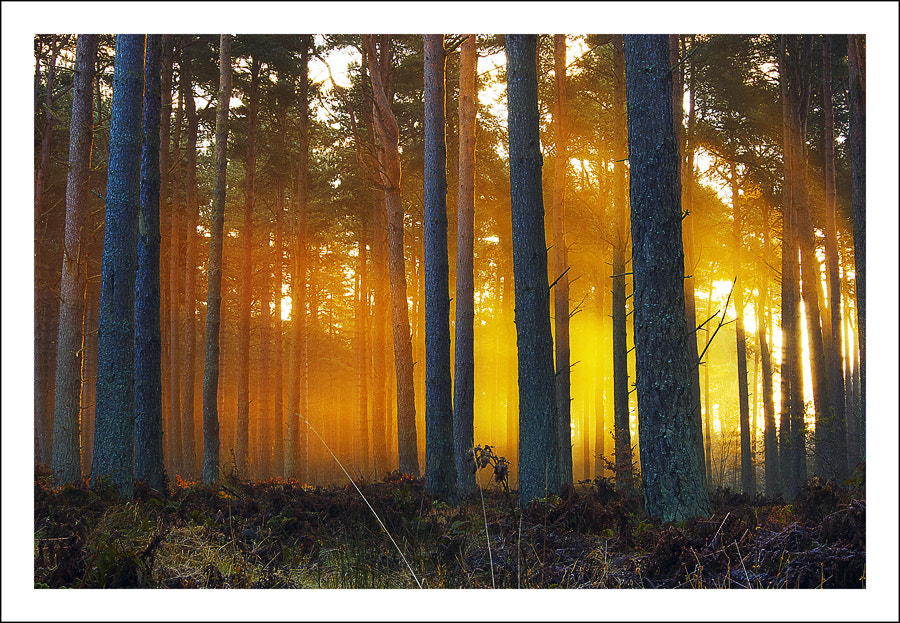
(835, 359)
(560, 265)
(856, 55)
(70, 338)
(362, 314)
(671, 472)
(748, 476)
(440, 466)
(192, 208)
(242, 434)
(176, 270)
(389, 136)
(770, 435)
(148, 430)
(114, 428)
(214, 284)
(622, 431)
(464, 376)
(538, 433)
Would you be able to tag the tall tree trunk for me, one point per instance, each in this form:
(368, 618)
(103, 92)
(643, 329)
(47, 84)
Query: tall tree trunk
(464, 377)
(114, 434)
(242, 438)
(362, 314)
(792, 375)
(770, 434)
(670, 470)
(856, 54)
(706, 397)
(148, 430)
(282, 98)
(45, 302)
(380, 303)
(835, 360)
(748, 477)
(600, 381)
(389, 136)
(560, 264)
(440, 466)
(622, 434)
(176, 270)
(70, 338)
(538, 433)
(296, 450)
(214, 283)
(165, 227)
(686, 163)
(192, 208)
(264, 414)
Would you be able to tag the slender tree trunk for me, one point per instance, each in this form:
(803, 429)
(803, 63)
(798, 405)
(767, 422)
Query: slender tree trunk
(242, 438)
(706, 396)
(389, 134)
(165, 225)
(44, 312)
(770, 434)
(362, 314)
(264, 415)
(856, 55)
(278, 371)
(670, 471)
(296, 449)
(114, 436)
(560, 264)
(440, 466)
(600, 382)
(176, 270)
(686, 162)
(214, 283)
(464, 377)
(835, 359)
(622, 434)
(192, 208)
(70, 339)
(538, 433)
(381, 301)
(148, 430)
(748, 478)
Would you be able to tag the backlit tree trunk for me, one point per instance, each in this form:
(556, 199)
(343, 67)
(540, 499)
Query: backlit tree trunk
(670, 470)
(770, 436)
(176, 281)
(748, 479)
(622, 431)
(214, 284)
(538, 434)
(389, 137)
(560, 264)
(464, 377)
(148, 430)
(192, 209)
(362, 313)
(440, 466)
(856, 54)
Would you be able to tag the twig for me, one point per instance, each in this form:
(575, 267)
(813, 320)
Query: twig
(364, 499)
(558, 278)
(721, 322)
(716, 536)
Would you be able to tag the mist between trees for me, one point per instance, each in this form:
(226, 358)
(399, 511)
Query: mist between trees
(638, 263)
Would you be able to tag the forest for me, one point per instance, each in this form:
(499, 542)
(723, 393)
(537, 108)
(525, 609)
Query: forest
(462, 311)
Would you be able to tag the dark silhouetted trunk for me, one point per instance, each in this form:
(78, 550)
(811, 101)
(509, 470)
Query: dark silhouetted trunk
(833, 346)
(214, 284)
(748, 478)
(192, 209)
(440, 465)
(148, 429)
(763, 321)
(464, 376)
(176, 270)
(70, 338)
(114, 425)
(296, 447)
(670, 468)
(538, 434)
(362, 314)
(856, 54)
(242, 434)
(622, 431)
(560, 264)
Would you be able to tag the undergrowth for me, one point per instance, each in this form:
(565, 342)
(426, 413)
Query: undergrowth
(282, 534)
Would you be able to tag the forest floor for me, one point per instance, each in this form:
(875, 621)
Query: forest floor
(278, 534)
